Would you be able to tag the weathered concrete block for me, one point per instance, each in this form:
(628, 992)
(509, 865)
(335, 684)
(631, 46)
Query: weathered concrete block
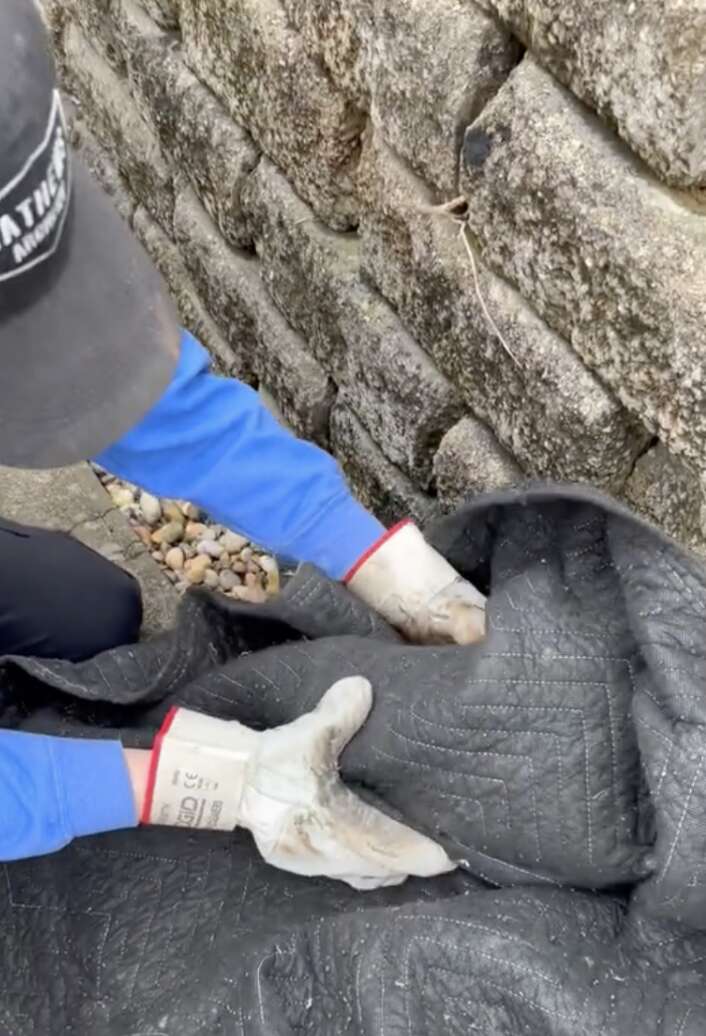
(541, 402)
(301, 389)
(381, 487)
(432, 69)
(108, 108)
(470, 460)
(612, 260)
(394, 387)
(306, 267)
(337, 33)
(423, 70)
(55, 15)
(192, 310)
(96, 19)
(105, 171)
(642, 66)
(245, 51)
(391, 384)
(667, 491)
(259, 335)
(202, 141)
(164, 12)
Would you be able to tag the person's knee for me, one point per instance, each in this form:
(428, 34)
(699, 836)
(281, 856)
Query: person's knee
(123, 613)
(108, 605)
(59, 599)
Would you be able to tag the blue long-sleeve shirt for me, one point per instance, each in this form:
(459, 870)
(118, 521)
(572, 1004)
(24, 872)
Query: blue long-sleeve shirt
(208, 440)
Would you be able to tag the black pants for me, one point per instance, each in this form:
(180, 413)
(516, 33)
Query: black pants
(58, 599)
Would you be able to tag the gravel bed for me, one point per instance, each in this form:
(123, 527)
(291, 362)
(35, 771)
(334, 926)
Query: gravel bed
(192, 550)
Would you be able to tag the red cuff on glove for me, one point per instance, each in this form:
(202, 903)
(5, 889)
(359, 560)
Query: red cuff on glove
(375, 547)
(154, 763)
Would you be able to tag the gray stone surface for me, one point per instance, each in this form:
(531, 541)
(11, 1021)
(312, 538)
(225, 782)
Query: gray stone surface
(612, 260)
(641, 65)
(101, 166)
(259, 68)
(423, 69)
(233, 289)
(469, 461)
(164, 12)
(130, 141)
(664, 489)
(337, 33)
(539, 399)
(73, 500)
(201, 139)
(94, 18)
(380, 486)
(391, 384)
(432, 68)
(307, 268)
(193, 312)
(281, 159)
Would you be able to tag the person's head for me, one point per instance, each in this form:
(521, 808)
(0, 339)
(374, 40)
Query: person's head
(88, 337)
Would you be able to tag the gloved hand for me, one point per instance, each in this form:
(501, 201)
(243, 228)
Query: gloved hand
(416, 590)
(283, 785)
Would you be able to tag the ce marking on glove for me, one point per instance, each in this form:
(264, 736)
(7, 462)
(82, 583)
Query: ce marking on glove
(193, 782)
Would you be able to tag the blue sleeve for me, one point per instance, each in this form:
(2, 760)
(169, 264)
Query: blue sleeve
(210, 440)
(53, 790)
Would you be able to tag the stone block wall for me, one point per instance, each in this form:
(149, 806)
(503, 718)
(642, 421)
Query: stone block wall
(458, 242)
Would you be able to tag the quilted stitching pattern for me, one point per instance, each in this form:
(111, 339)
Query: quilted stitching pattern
(566, 750)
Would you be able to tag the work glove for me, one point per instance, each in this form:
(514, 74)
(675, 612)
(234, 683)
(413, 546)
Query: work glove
(412, 586)
(284, 786)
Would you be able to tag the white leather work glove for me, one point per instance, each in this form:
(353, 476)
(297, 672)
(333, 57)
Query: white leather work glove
(416, 590)
(283, 785)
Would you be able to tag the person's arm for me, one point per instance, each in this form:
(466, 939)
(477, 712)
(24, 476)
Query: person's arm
(210, 440)
(283, 785)
(53, 790)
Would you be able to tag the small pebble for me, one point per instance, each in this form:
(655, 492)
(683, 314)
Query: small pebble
(151, 508)
(238, 566)
(191, 511)
(211, 548)
(232, 542)
(195, 569)
(195, 531)
(121, 495)
(252, 566)
(251, 579)
(172, 511)
(157, 555)
(210, 578)
(246, 554)
(228, 580)
(252, 594)
(271, 569)
(144, 534)
(201, 561)
(174, 559)
(170, 533)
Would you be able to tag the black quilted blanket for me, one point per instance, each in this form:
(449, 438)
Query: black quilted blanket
(562, 763)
